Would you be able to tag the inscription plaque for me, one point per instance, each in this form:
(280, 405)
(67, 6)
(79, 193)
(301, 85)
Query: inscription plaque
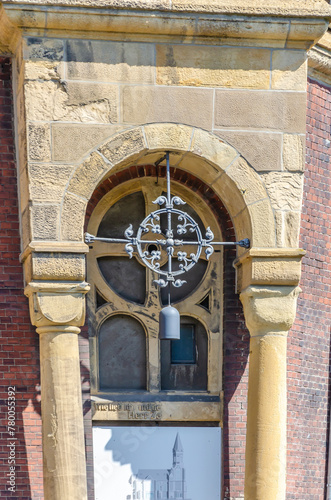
(130, 411)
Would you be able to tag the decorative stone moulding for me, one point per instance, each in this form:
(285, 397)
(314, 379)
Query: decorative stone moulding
(276, 266)
(319, 59)
(47, 301)
(294, 24)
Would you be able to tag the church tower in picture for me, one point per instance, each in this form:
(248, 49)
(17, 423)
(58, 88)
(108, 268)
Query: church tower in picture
(162, 484)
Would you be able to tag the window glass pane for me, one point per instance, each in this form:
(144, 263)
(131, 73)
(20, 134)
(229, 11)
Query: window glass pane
(127, 277)
(122, 354)
(191, 376)
(192, 277)
(128, 210)
(183, 350)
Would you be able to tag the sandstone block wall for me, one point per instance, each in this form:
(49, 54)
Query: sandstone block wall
(79, 92)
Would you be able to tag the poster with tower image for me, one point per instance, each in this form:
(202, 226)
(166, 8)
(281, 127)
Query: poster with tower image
(157, 463)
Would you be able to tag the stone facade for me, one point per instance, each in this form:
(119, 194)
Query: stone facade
(222, 86)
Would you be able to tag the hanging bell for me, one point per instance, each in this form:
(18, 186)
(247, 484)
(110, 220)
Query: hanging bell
(169, 324)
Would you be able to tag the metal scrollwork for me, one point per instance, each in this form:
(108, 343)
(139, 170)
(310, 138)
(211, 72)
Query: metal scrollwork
(167, 242)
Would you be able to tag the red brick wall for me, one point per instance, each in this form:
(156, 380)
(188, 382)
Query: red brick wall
(19, 363)
(309, 339)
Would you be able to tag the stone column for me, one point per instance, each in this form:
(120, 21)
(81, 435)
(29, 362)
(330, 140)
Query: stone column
(269, 314)
(57, 310)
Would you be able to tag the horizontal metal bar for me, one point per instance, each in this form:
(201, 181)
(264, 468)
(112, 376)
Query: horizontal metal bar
(243, 243)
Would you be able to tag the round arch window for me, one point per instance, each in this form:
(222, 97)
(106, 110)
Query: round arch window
(124, 305)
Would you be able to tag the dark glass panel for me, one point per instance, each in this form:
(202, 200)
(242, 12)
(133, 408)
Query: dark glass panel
(186, 376)
(183, 350)
(125, 276)
(128, 210)
(193, 278)
(122, 354)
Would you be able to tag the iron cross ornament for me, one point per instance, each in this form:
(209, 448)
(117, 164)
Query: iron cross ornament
(174, 248)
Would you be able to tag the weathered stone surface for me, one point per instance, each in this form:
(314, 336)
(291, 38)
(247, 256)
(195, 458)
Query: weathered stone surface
(72, 218)
(58, 309)
(43, 70)
(292, 229)
(212, 66)
(48, 182)
(83, 102)
(294, 152)
(199, 167)
(269, 309)
(212, 149)
(230, 195)
(261, 150)
(161, 136)
(319, 59)
(303, 33)
(287, 228)
(45, 222)
(284, 190)
(70, 142)
(162, 104)
(58, 266)
(299, 8)
(260, 218)
(45, 100)
(50, 49)
(39, 142)
(123, 145)
(269, 314)
(26, 227)
(284, 111)
(86, 176)
(110, 61)
(279, 218)
(263, 266)
(289, 70)
(247, 181)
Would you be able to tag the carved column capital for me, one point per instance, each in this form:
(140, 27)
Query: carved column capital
(55, 303)
(269, 309)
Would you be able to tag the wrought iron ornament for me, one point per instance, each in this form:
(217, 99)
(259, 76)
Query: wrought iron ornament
(175, 248)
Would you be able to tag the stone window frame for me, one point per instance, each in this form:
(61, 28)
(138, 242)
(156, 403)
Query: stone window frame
(211, 321)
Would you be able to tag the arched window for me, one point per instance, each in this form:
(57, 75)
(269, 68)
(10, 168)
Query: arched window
(124, 303)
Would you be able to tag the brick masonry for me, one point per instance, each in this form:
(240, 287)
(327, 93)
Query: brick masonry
(309, 339)
(19, 358)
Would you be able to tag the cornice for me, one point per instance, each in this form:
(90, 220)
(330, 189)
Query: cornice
(291, 8)
(294, 24)
(9, 34)
(319, 60)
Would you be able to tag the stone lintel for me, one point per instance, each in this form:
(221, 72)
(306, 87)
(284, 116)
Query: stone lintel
(54, 246)
(269, 266)
(298, 25)
(138, 411)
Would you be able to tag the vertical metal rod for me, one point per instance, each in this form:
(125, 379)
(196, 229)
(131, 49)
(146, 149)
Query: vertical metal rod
(168, 178)
(169, 235)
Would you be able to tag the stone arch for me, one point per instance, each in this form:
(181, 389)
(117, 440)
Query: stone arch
(218, 164)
